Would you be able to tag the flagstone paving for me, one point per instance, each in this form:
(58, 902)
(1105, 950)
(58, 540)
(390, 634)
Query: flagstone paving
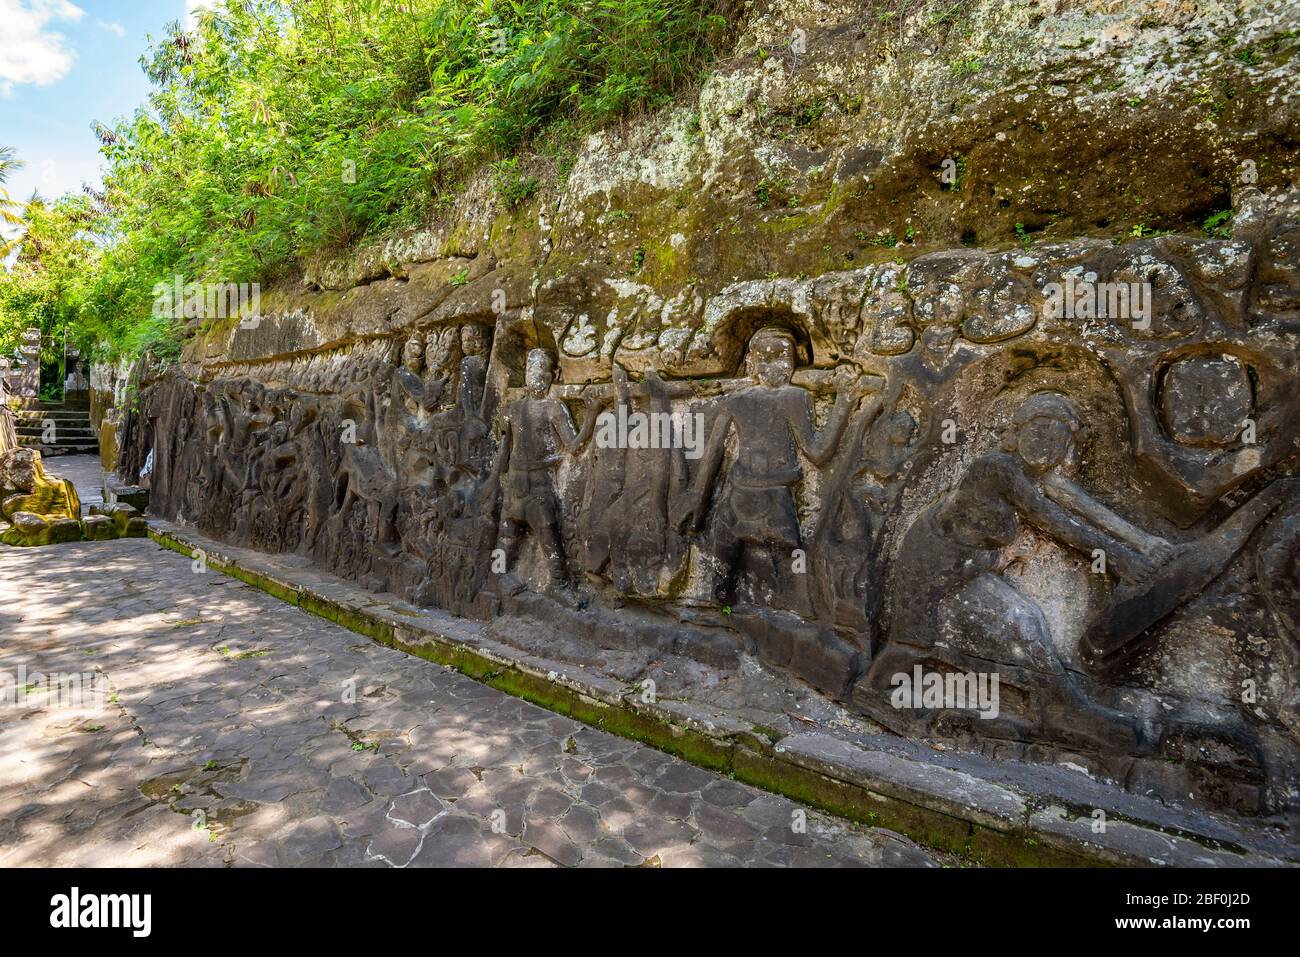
(86, 474)
(236, 730)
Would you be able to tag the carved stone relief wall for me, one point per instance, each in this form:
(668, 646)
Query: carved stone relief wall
(1074, 467)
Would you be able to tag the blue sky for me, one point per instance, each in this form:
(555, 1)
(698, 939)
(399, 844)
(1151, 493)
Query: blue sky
(64, 64)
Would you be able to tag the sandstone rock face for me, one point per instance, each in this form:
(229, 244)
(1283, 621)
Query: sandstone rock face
(663, 403)
(99, 528)
(116, 520)
(28, 528)
(37, 506)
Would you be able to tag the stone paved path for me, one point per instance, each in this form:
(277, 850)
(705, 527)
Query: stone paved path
(225, 739)
(85, 473)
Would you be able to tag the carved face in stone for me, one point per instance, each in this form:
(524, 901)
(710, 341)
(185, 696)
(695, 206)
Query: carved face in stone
(936, 345)
(472, 340)
(538, 375)
(412, 351)
(1045, 431)
(438, 358)
(771, 357)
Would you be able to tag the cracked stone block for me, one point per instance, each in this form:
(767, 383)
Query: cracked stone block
(455, 841)
(415, 808)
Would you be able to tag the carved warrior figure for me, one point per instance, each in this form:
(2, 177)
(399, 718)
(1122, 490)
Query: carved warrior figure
(636, 492)
(363, 475)
(534, 424)
(770, 418)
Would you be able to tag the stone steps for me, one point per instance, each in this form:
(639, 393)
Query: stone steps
(61, 431)
(50, 451)
(73, 433)
(51, 414)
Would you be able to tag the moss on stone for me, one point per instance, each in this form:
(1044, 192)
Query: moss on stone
(746, 757)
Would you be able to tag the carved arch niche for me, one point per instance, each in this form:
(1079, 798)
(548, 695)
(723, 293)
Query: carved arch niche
(733, 335)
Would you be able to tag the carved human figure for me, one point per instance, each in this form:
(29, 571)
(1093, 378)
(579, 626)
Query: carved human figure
(307, 498)
(439, 366)
(473, 340)
(947, 584)
(454, 501)
(473, 439)
(607, 474)
(538, 430)
(405, 440)
(440, 353)
(362, 473)
(771, 419)
(413, 353)
(1123, 628)
(855, 499)
(649, 542)
(937, 343)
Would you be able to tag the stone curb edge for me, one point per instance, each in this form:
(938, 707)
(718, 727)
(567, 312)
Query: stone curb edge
(981, 821)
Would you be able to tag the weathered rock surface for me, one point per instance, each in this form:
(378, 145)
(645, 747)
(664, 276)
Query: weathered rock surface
(126, 520)
(40, 508)
(853, 425)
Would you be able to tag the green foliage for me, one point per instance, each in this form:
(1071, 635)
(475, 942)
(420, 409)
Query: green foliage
(10, 210)
(278, 129)
(1218, 224)
(264, 114)
(512, 186)
(72, 280)
(765, 190)
(51, 388)
(51, 277)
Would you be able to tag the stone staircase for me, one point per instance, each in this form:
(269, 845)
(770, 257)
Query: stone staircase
(72, 433)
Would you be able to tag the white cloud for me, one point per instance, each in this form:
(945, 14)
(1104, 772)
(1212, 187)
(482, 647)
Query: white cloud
(116, 28)
(31, 53)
